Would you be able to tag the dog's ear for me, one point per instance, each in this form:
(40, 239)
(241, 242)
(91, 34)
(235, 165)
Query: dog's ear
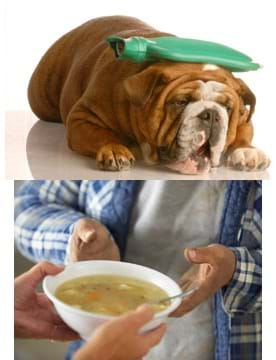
(139, 87)
(248, 98)
(243, 109)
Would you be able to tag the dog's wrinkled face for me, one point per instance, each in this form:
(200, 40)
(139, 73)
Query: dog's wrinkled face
(201, 136)
(188, 117)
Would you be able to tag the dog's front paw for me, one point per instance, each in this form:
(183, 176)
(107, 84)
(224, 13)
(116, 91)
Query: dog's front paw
(248, 159)
(114, 157)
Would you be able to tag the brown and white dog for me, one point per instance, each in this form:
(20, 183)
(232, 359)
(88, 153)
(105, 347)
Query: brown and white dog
(188, 116)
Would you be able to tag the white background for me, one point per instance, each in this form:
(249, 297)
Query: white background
(32, 26)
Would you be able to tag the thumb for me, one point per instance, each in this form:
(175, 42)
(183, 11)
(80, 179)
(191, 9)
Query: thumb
(200, 255)
(87, 232)
(89, 235)
(134, 320)
(37, 273)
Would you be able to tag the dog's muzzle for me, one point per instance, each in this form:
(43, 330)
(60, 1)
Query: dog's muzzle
(199, 142)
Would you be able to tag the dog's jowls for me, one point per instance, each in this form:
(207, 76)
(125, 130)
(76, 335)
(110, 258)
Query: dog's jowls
(190, 117)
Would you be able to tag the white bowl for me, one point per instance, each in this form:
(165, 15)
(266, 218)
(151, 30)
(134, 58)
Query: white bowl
(84, 322)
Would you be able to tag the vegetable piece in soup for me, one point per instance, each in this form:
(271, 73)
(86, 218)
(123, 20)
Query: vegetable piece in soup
(109, 294)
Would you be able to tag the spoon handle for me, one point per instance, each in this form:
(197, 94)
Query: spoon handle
(181, 295)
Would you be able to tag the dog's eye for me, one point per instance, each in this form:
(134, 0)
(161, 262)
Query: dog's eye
(228, 108)
(180, 102)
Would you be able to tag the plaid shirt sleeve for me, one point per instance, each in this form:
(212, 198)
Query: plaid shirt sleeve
(243, 294)
(45, 213)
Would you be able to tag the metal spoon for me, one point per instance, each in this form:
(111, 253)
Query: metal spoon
(181, 296)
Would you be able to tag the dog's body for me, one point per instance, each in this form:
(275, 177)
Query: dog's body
(185, 115)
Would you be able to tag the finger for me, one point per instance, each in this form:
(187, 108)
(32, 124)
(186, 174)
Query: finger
(87, 232)
(154, 337)
(203, 292)
(37, 273)
(190, 276)
(187, 284)
(200, 255)
(134, 320)
(185, 306)
(142, 315)
(88, 236)
(43, 301)
(51, 317)
(47, 309)
(63, 333)
(43, 329)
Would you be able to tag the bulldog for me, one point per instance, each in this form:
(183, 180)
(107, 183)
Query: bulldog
(189, 116)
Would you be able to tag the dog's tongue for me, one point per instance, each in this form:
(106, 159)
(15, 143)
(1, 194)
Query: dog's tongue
(189, 167)
(204, 149)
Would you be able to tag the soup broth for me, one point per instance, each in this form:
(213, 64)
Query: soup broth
(109, 294)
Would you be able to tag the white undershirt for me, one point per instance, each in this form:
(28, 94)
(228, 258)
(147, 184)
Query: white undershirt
(167, 217)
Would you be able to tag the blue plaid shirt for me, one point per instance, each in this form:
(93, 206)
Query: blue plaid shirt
(45, 213)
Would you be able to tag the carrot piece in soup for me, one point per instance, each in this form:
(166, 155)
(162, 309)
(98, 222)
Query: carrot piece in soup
(93, 295)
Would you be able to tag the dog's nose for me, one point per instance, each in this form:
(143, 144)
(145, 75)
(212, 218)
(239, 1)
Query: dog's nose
(209, 114)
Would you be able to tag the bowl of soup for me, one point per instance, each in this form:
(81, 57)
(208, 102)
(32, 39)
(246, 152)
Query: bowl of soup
(88, 293)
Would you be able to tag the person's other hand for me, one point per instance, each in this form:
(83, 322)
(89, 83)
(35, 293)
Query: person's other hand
(119, 339)
(213, 267)
(34, 314)
(91, 241)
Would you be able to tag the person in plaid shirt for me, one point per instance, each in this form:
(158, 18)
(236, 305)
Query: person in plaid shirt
(49, 213)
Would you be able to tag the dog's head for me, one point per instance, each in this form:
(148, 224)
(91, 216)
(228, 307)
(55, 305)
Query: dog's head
(187, 114)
